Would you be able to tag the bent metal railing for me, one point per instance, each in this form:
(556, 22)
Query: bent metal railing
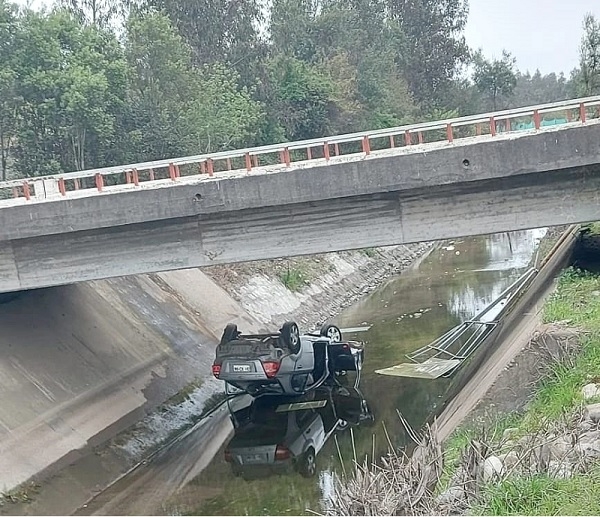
(271, 158)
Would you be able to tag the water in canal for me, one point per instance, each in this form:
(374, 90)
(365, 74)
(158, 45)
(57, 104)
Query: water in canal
(457, 280)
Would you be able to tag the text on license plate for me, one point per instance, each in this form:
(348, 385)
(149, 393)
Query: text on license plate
(241, 367)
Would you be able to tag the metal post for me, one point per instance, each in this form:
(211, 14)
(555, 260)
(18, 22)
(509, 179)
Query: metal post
(366, 145)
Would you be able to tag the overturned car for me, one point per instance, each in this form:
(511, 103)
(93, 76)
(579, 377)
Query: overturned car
(285, 362)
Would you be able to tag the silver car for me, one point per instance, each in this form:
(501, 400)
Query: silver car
(285, 362)
(277, 433)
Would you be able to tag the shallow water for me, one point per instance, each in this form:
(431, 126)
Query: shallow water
(455, 282)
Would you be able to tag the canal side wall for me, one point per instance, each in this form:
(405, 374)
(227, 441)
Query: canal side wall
(512, 334)
(81, 363)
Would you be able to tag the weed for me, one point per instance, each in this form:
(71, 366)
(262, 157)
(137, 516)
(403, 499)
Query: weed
(369, 252)
(543, 495)
(294, 279)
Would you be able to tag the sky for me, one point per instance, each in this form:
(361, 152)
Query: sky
(542, 34)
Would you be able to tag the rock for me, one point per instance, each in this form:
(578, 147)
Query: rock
(586, 425)
(595, 293)
(592, 412)
(590, 437)
(510, 433)
(453, 495)
(590, 391)
(492, 468)
(560, 469)
(417, 315)
(560, 449)
(509, 460)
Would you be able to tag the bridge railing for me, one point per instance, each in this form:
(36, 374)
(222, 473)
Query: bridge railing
(270, 158)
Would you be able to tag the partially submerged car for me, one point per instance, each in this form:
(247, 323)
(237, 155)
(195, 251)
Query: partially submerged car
(284, 362)
(275, 433)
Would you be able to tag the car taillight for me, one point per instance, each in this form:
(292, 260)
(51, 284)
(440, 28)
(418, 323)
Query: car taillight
(271, 368)
(346, 346)
(216, 369)
(228, 456)
(282, 453)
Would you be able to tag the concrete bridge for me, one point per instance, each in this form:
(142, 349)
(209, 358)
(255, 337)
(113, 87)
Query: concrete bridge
(467, 176)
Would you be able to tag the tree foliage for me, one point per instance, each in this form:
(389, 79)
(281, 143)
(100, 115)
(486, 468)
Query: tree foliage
(91, 83)
(495, 79)
(589, 61)
(9, 99)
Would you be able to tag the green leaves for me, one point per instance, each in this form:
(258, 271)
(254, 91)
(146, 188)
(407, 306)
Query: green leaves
(72, 80)
(495, 79)
(589, 61)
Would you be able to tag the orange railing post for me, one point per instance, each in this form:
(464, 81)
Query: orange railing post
(582, 113)
(136, 177)
(62, 187)
(407, 138)
(492, 126)
(248, 162)
(99, 182)
(26, 191)
(537, 119)
(366, 145)
(449, 133)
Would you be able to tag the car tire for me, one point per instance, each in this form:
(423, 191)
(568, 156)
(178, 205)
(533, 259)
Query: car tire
(332, 332)
(290, 333)
(229, 334)
(342, 425)
(307, 463)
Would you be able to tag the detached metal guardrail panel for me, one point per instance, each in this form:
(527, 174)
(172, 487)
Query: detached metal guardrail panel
(270, 158)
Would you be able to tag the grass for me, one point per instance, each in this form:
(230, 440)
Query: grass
(577, 302)
(369, 252)
(294, 279)
(542, 495)
(592, 228)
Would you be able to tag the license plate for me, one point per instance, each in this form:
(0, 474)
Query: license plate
(253, 458)
(241, 367)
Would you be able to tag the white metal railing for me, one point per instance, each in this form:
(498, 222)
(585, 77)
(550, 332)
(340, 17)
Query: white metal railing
(159, 172)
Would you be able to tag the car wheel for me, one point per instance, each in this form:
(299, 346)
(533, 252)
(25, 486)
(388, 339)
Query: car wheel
(332, 332)
(307, 466)
(342, 425)
(229, 334)
(291, 336)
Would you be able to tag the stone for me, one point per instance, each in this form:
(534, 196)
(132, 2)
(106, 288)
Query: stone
(453, 495)
(509, 460)
(560, 469)
(493, 468)
(590, 391)
(560, 449)
(592, 412)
